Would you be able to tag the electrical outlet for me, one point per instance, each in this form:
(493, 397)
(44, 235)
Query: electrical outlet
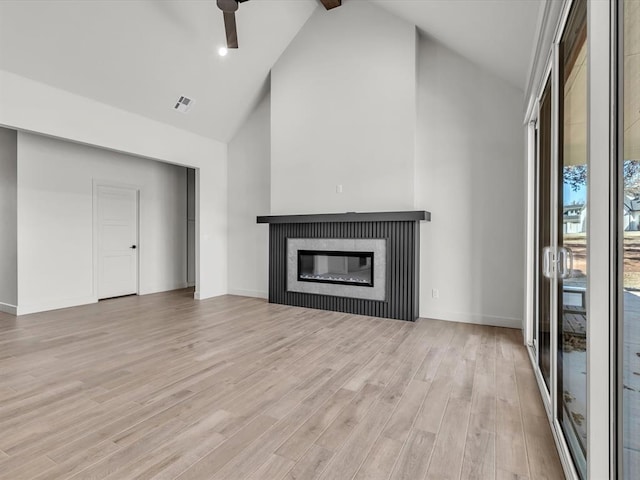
(338, 188)
(435, 293)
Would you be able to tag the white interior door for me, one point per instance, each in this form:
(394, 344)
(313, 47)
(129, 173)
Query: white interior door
(117, 241)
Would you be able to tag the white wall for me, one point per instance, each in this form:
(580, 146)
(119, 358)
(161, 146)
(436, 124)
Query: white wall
(470, 168)
(8, 220)
(32, 106)
(55, 221)
(249, 196)
(343, 113)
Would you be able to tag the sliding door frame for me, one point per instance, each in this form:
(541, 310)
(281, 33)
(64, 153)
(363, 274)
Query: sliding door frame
(602, 204)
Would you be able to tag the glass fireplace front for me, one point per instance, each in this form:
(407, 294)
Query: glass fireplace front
(346, 268)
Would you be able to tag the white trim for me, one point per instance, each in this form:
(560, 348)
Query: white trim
(529, 248)
(530, 235)
(196, 181)
(475, 318)
(175, 286)
(546, 33)
(534, 101)
(8, 308)
(56, 304)
(249, 293)
(543, 19)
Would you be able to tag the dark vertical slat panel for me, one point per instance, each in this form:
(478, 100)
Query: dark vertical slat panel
(401, 276)
(394, 264)
(408, 293)
(405, 271)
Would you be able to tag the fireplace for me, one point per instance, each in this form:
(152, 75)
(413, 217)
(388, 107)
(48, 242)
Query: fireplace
(339, 267)
(363, 263)
(342, 268)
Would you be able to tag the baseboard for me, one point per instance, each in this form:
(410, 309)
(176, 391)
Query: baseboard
(477, 319)
(168, 288)
(249, 293)
(8, 308)
(54, 305)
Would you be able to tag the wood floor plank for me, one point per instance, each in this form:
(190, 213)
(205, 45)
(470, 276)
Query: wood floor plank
(479, 455)
(162, 387)
(185, 449)
(403, 417)
(82, 460)
(214, 461)
(414, 457)
(448, 452)
(121, 460)
(433, 408)
(333, 437)
(348, 459)
(511, 450)
(311, 465)
(273, 468)
(26, 469)
(381, 460)
(298, 443)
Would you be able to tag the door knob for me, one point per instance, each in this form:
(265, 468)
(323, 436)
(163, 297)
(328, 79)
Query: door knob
(133, 246)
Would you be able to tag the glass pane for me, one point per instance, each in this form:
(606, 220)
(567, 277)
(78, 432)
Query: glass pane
(631, 224)
(572, 252)
(544, 223)
(348, 268)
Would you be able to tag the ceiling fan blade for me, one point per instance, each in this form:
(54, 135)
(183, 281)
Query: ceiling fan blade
(329, 4)
(230, 29)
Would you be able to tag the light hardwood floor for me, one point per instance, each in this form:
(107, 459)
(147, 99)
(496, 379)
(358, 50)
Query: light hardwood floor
(166, 387)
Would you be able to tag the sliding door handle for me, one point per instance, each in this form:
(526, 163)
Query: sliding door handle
(547, 262)
(565, 262)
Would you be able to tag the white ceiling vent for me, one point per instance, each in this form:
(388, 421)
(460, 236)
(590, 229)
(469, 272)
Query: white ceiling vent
(183, 104)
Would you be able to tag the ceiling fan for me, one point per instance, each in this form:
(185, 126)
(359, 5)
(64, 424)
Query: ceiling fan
(229, 8)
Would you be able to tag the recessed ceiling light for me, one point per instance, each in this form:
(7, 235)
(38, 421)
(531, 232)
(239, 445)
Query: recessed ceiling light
(222, 51)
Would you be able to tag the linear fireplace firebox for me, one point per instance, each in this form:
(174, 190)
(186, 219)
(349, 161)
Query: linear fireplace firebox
(342, 268)
(362, 263)
(337, 267)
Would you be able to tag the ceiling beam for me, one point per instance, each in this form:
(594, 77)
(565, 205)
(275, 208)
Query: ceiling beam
(329, 4)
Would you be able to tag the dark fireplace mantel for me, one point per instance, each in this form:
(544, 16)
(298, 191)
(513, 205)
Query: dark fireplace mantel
(407, 216)
(393, 236)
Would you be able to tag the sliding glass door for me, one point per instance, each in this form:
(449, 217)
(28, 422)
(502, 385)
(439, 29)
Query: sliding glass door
(572, 238)
(562, 238)
(544, 210)
(586, 242)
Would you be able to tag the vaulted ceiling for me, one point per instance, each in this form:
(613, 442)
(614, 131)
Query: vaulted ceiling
(141, 55)
(497, 34)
